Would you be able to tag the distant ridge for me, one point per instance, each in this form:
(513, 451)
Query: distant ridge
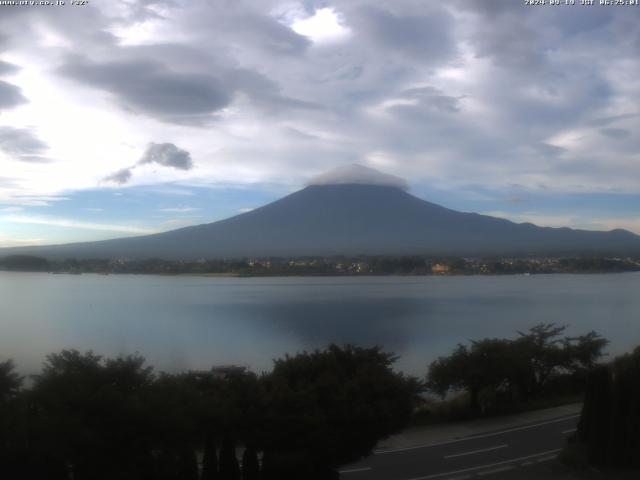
(350, 219)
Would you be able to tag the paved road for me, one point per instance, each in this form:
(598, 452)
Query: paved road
(477, 456)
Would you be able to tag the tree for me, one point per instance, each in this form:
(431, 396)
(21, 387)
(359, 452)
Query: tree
(250, 465)
(539, 353)
(522, 367)
(10, 381)
(210, 460)
(188, 464)
(327, 408)
(609, 426)
(91, 413)
(10, 421)
(584, 352)
(485, 364)
(593, 427)
(542, 353)
(229, 468)
(25, 263)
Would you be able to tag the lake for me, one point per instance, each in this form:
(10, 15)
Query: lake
(180, 322)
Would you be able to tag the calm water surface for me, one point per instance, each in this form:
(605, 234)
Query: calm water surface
(195, 322)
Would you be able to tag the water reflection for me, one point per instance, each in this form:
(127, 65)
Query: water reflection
(191, 322)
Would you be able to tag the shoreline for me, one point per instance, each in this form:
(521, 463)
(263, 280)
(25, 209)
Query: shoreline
(325, 275)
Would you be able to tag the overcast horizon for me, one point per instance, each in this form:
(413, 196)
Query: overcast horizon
(133, 117)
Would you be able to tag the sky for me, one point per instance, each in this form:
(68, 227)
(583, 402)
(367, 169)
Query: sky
(132, 117)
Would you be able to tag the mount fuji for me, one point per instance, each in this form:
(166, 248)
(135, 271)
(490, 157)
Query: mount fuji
(351, 211)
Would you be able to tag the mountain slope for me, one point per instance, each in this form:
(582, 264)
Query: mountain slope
(350, 219)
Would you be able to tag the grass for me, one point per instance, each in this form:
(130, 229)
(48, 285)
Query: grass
(456, 409)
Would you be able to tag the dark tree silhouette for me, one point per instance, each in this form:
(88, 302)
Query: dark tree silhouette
(609, 426)
(229, 468)
(522, 367)
(594, 425)
(91, 413)
(188, 465)
(330, 407)
(210, 460)
(12, 459)
(485, 364)
(10, 381)
(92, 418)
(250, 464)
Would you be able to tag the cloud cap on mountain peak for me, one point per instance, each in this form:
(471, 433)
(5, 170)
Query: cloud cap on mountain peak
(358, 174)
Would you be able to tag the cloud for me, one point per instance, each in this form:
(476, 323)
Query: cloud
(7, 68)
(457, 96)
(7, 182)
(548, 150)
(10, 96)
(21, 144)
(603, 121)
(322, 27)
(150, 88)
(427, 36)
(270, 35)
(163, 154)
(617, 133)
(358, 174)
(7, 241)
(180, 209)
(167, 155)
(433, 99)
(120, 177)
(68, 223)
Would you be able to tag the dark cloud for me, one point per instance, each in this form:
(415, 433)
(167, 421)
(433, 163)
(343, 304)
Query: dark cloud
(21, 144)
(247, 27)
(492, 89)
(604, 121)
(510, 42)
(433, 99)
(151, 88)
(549, 150)
(10, 96)
(264, 92)
(266, 33)
(427, 37)
(163, 154)
(167, 155)
(120, 177)
(617, 133)
(490, 8)
(7, 68)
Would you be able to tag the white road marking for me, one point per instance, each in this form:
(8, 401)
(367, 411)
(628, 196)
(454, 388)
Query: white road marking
(355, 470)
(546, 459)
(496, 470)
(474, 437)
(481, 467)
(571, 430)
(476, 451)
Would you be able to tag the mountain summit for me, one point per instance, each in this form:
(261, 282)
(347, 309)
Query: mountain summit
(351, 211)
(356, 174)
